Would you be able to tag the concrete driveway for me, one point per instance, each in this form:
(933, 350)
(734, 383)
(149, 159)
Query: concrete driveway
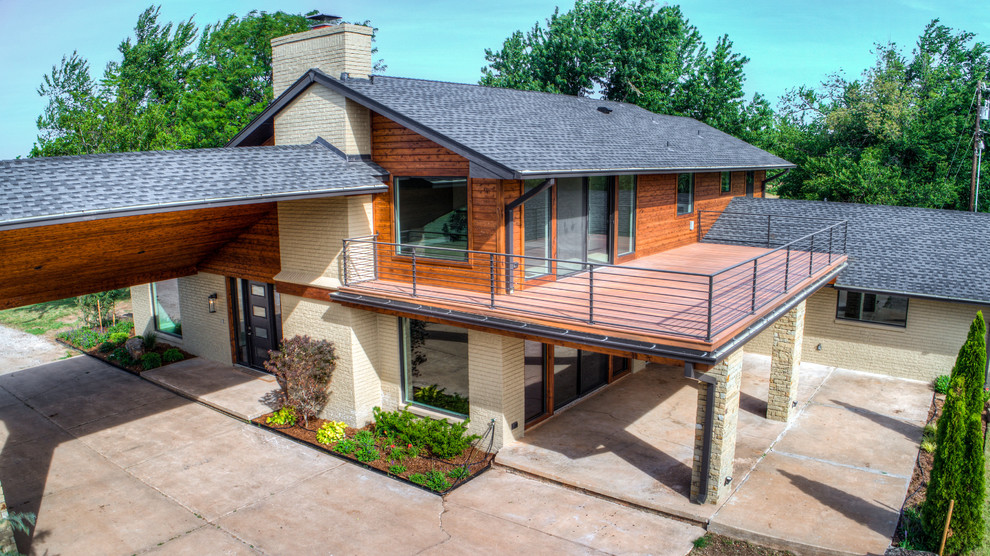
(113, 464)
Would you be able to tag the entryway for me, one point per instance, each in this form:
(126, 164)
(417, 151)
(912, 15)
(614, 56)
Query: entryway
(257, 321)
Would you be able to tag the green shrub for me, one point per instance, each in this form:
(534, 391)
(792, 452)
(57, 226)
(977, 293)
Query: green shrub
(445, 440)
(929, 437)
(346, 447)
(124, 326)
(458, 473)
(418, 478)
(331, 432)
(122, 356)
(400, 427)
(941, 384)
(106, 347)
(284, 417)
(402, 453)
(397, 469)
(437, 481)
(118, 338)
(151, 361)
(304, 368)
(172, 355)
(150, 340)
(437, 397)
(366, 450)
(83, 338)
(448, 440)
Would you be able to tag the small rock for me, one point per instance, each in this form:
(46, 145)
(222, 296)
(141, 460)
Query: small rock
(135, 347)
(895, 551)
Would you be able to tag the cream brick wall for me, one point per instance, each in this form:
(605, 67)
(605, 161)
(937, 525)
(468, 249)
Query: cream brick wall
(332, 50)
(496, 385)
(924, 349)
(141, 309)
(389, 366)
(319, 112)
(311, 234)
(356, 387)
(204, 333)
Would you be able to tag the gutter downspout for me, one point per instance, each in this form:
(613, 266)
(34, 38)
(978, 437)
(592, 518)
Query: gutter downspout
(706, 447)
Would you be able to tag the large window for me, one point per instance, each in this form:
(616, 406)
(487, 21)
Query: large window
(872, 307)
(431, 213)
(536, 219)
(165, 306)
(625, 215)
(726, 182)
(435, 365)
(685, 193)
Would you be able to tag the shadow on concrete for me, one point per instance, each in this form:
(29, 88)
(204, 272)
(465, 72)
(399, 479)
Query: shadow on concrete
(45, 395)
(752, 404)
(875, 516)
(908, 430)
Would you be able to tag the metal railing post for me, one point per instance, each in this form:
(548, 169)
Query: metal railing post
(711, 302)
(491, 269)
(787, 267)
(811, 263)
(830, 228)
(845, 236)
(699, 226)
(591, 294)
(755, 261)
(344, 260)
(414, 271)
(768, 231)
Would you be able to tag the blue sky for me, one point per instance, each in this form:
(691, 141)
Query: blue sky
(788, 42)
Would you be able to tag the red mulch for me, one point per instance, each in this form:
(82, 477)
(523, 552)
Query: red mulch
(477, 460)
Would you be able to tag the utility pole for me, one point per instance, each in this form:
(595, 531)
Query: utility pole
(977, 144)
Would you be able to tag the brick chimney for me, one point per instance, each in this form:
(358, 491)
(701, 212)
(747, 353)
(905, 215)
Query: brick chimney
(318, 112)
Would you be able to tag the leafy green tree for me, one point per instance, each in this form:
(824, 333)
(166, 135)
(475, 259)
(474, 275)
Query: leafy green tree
(632, 51)
(900, 135)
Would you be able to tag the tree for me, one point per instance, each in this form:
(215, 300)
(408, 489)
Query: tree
(304, 368)
(632, 51)
(959, 470)
(896, 136)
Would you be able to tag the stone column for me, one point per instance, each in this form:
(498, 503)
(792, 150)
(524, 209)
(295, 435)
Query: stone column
(728, 376)
(496, 385)
(785, 358)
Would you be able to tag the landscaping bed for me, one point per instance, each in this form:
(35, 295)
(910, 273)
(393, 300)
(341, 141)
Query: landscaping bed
(398, 444)
(717, 545)
(108, 345)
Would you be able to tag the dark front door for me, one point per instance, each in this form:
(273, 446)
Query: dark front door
(258, 323)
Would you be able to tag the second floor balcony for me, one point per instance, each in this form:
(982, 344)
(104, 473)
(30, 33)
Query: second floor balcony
(698, 295)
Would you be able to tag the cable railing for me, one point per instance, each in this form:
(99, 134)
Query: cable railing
(629, 297)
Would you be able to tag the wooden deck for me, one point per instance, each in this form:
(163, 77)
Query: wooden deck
(661, 298)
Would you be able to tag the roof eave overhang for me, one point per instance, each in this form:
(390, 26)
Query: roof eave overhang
(481, 166)
(914, 295)
(85, 216)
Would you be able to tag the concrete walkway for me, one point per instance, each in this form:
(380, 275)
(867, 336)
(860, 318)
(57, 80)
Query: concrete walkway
(243, 393)
(830, 482)
(113, 464)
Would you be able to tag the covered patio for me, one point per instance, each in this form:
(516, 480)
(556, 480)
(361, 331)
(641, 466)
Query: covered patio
(832, 480)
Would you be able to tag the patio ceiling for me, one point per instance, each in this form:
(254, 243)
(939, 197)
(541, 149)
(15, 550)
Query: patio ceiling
(45, 263)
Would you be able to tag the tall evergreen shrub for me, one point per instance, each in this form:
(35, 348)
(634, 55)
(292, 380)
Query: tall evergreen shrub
(947, 470)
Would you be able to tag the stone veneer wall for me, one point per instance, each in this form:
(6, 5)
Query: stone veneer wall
(728, 374)
(785, 359)
(925, 348)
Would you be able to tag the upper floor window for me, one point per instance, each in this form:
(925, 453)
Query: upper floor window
(726, 182)
(625, 218)
(165, 306)
(685, 193)
(431, 217)
(872, 307)
(750, 183)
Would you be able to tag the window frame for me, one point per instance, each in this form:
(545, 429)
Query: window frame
(154, 311)
(726, 179)
(840, 315)
(423, 252)
(405, 384)
(632, 215)
(677, 194)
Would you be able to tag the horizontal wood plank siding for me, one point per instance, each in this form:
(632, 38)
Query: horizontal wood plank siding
(253, 255)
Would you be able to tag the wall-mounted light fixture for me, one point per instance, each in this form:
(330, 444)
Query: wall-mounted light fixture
(213, 302)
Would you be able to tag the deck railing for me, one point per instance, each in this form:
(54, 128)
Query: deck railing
(652, 301)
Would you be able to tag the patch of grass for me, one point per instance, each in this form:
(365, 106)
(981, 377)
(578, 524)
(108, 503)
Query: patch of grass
(701, 542)
(42, 317)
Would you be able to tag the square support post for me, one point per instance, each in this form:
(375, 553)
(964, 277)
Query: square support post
(727, 376)
(785, 359)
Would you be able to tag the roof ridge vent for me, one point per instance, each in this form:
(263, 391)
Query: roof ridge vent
(604, 109)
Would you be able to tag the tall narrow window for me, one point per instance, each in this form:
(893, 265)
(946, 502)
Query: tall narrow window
(536, 233)
(685, 193)
(726, 182)
(435, 365)
(599, 208)
(750, 183)
(431, 216)
(625, 221)
(165, 305)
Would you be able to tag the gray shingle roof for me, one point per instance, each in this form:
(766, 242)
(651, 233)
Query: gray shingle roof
(78, 187)
(530, 134)
(913, 251)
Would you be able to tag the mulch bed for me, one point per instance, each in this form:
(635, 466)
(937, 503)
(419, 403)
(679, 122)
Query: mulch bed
(136, 368)
(717, 545)
(473, 459)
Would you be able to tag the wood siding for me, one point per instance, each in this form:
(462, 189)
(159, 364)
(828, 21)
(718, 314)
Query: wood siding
(45, 263)
(253, 255)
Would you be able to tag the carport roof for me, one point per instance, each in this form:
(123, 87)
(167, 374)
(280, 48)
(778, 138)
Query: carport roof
(37, 191)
